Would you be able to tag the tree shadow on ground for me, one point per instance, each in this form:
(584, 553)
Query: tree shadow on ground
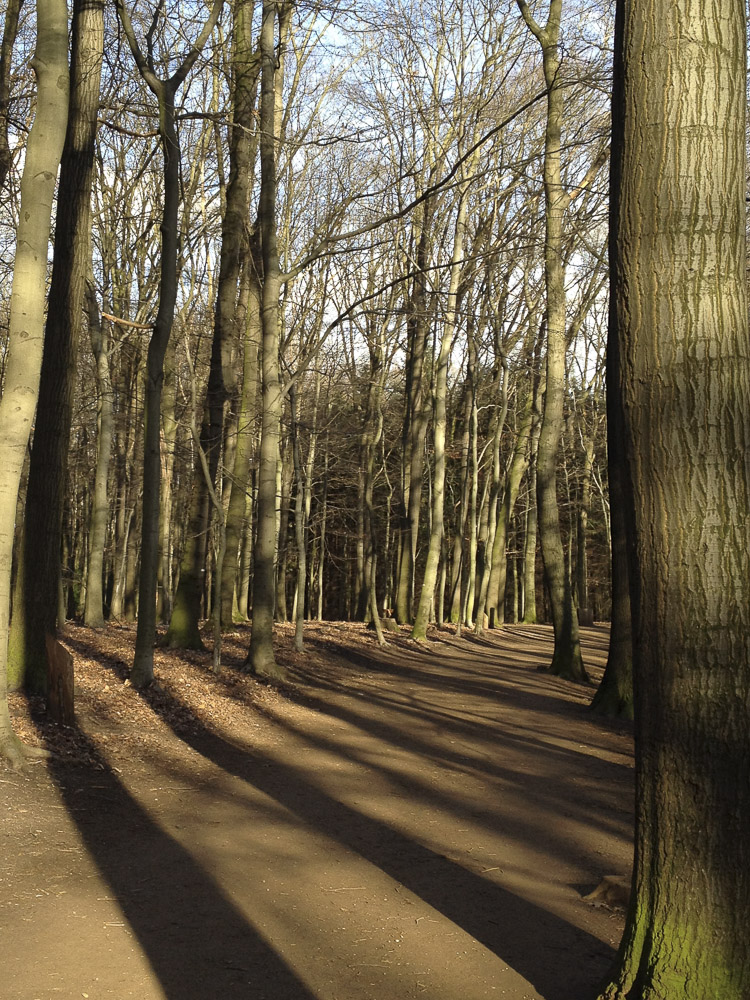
(516, 929)
(199, 945)
(510, 926)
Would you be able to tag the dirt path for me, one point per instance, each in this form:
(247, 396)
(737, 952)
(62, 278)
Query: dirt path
(407, 823)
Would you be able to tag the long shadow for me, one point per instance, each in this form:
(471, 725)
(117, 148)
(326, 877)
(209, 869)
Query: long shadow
(561, 767)
(550, 789)
(474, 682)
(517, 930)
(199, 945)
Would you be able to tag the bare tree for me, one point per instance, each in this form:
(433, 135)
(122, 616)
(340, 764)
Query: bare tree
(43, 153)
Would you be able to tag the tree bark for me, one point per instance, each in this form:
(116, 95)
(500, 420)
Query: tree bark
(679, 295)
(260, 658)
(10, 31)
(566, 660)
(165, 91)
(26, 322)
(94, 610)
(37, 584)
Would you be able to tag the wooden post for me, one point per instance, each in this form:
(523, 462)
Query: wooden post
(60, 682)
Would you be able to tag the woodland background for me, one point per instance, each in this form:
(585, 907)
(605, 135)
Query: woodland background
(397, 377)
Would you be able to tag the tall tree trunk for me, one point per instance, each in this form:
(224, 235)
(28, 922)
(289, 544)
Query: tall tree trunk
(165, 91)
(530, 539)
(166, 527)
(495, 605)
(415, 422)
(582, 522)
(566, 660)
(437, 520)
(26, 322)
(37, 583)
(679, 292)
(94, 610)
(238, 495)
(183, 630)
(300, 526)
(260, 658)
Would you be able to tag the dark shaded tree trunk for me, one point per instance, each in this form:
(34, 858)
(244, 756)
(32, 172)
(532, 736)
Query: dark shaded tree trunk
(38, 580)
(165, 91)
(10, 30)
(26, 322)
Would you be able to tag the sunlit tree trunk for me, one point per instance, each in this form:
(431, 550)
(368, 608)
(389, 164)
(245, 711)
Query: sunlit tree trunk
(37, 583)
(566, 660)
(94, 610)
(26, 322)
(679, 292)
(261, 659)
(234, 578)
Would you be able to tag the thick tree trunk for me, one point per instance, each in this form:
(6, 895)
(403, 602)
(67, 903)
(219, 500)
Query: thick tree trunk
(184, 626)
(26, 322)
(680, 308)
(35, 597)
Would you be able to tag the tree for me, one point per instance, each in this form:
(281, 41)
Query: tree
(260, 658)
(165, 90)
(35, 595)
(43, 153)
(566, 660)
(679, 290)
(10, 30)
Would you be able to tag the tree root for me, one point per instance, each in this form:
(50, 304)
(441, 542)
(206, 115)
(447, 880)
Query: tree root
(18, 754)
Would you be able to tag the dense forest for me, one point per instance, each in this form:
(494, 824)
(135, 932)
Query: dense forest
(322, 334)
(367, 442)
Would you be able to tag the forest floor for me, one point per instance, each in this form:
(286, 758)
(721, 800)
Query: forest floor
(416, 821)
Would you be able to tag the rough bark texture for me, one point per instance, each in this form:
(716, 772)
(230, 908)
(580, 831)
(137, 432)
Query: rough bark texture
(679, 290)
(26, 323)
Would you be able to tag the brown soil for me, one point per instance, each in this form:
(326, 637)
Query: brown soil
(422, 820)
